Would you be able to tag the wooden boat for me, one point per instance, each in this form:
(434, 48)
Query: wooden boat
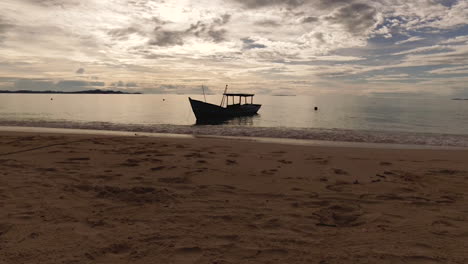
(239, 107)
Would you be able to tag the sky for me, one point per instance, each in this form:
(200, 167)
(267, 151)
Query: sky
(357, 47)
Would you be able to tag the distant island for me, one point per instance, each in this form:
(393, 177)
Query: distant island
(460, 99)
(97, 91)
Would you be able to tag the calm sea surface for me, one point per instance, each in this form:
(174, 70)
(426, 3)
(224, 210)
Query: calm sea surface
(413, 120)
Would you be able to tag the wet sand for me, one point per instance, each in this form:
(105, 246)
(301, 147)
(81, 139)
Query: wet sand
(120, 199)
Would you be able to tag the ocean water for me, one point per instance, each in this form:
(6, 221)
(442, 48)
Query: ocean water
(378, 119)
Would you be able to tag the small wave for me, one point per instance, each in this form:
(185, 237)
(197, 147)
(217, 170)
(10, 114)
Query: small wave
(346, 135)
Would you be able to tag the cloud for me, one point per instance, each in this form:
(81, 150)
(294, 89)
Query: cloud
(208, 31)
(423, 50)
(251, 44)
(267, 3)
(123, 33)
(310, 19)
(50, 85)
(410, 39)
(165, 38)
(178, 89)
(356, 18)
(123, 84)
(451, 70)
(55, 3)
(389, 77)
(267, 23)
(456, 40)
(4, 27)
(33, 84)
(76, 85)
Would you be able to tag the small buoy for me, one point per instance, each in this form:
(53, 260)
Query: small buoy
(315, 108)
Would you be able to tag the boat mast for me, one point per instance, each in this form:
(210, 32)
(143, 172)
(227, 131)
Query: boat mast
(203, 88)
(222, 100)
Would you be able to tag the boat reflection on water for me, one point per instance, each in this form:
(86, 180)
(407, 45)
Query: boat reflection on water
(236, 121)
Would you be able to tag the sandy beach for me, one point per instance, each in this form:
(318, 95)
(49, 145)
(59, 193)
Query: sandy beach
(119, 199)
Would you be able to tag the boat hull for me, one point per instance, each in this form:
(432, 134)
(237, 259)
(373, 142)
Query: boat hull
(206, 111)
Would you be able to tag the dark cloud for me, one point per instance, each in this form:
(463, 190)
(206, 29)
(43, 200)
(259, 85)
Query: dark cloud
(291, 4)
(310, 19)
(123, 33)
(268, 23)
(356, 18)
(217, 35)
(80, 71)
(329, 4)
(319, 37)
(209, 31)
(55, 3)
(266, 3)
(223, 20)
(165, 38)
(251, 44)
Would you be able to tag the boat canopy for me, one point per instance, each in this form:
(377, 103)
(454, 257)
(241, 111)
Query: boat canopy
(233, 96)
(239, 94)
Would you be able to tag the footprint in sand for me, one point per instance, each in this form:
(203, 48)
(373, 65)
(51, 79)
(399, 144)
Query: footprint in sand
(270, 172)
(338, 186)
(176, 180)
(121, 248)
(188, 254)
(340, 215)
(193, 155)
(446, 171)
(322, 162)
(279, 152)
(384, 163)
(340, 172)
(4, 228)
(230, 162)
(273, 223)
(130, 163)
(158, 168)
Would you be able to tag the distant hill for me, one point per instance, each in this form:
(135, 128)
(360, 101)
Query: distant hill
(97, 91)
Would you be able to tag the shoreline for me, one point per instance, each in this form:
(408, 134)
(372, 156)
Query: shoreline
(271, 140)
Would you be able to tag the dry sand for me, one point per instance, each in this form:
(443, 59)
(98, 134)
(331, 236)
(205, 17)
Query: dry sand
(115, 199)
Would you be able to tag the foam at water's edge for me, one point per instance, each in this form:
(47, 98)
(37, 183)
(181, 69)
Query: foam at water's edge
(332, 135)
